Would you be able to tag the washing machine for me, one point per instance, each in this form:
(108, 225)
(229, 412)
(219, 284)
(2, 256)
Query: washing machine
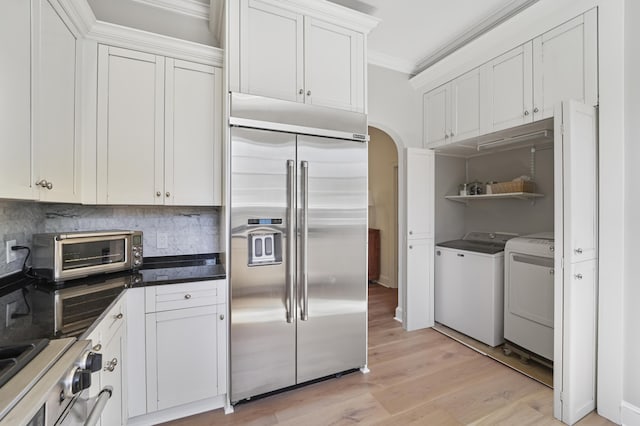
(528, 293)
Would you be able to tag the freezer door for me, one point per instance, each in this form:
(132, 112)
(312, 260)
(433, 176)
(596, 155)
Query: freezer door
(332, 280)
(263, 328)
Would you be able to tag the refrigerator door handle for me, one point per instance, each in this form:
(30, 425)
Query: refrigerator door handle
(304, 311)
(291, 271)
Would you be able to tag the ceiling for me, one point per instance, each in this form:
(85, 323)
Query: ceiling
(411, 36)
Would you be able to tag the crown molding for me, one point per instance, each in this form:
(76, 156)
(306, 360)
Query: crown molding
(130, 38)
(330, 12)
(192, 8)
(79, 13)
(392, 62)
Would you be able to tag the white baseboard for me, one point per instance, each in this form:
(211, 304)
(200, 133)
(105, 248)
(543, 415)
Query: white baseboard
(630, 414)
(180, 412)
(399, 314)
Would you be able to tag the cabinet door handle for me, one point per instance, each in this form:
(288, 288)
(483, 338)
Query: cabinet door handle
(221, 317)
(44, 184)
(301, 91)
(111, 365)
(536, 110)
(526, 112)
(578, 276)
(410, 232)
(308, 92)
(187, 296)
(158, 194)
(97, 347)
(410, 247)
(452, 134)
(168, 194)
(119, 316)
(578, 251)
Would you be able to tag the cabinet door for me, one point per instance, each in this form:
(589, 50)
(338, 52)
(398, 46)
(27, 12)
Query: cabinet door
(419, 169)
(465, 106)
(182, 365)
(112, 375)
(15, 101)
(565, 65)
(333, 66)
(436, 107)
(130, 127)
(56, 149)
(510, 87)
(193, 151)
(271, 51)
(419, 289)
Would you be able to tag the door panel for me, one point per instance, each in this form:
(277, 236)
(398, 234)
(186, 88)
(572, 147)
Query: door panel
(436, 111)
(465, 106)
(333, 337)
(263, 343)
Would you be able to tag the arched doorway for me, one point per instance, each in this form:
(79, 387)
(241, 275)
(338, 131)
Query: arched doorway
(383, 202)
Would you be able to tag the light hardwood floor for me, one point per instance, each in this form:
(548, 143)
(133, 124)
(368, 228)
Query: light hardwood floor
(416, 378)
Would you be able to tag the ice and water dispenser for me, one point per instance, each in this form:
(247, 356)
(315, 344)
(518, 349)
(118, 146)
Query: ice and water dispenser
(265, 243)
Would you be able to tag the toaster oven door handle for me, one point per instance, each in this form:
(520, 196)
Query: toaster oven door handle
(96, 412)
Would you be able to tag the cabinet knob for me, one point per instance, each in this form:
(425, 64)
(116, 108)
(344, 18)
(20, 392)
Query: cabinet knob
(526, 112)
(97, 347)
(410, 232)
(578, 276)
(119, 316)
(111, 365)
(308, 92)
(168, 194)
(536, 110)
(187, 296)
(578, 251)
(44, 184)
(221, 317)
(301, 91)
(446, 135)
(410, 247)
(158, 194)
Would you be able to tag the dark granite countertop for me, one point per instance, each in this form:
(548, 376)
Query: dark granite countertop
(179, 269)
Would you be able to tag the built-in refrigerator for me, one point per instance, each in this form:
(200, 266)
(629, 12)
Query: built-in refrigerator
(298, 196)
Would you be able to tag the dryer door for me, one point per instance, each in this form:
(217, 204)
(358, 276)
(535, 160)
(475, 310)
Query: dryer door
(531, 288)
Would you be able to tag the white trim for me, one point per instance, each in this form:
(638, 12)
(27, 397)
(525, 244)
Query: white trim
(129, 38)
(392, 62)
(181, 411)
(630, 414)
(399, 314)
(79, 13)
(190, 8)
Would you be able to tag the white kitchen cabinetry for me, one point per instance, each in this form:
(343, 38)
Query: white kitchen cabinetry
(565, 65)
(452, 111)
(183, 366)
(56, 149)
(419, 239)
(286, 53)
(15, 101)
(38, 135)
(108, 338)
(158, 130)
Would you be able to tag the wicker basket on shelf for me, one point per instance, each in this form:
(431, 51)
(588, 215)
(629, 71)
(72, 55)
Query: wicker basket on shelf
(514, 186)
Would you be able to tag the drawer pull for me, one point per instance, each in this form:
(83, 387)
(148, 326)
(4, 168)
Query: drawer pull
(187, 296)
(119, 316)
(221, 317)
(111, 365)
(97, 347)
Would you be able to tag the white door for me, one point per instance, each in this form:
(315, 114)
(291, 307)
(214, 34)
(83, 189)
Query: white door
(418, 239)
(565, 65)
(510, 89)
(436, 111)
(465, 106)
(193, 148)
(333, 66)
(271, 51)
(575, 312)
(15, 100)
(56, 149)
(130, 127)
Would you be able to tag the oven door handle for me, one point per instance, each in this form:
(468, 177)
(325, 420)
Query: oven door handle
(103, 398)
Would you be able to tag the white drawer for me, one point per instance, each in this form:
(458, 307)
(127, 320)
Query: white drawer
(185, 295)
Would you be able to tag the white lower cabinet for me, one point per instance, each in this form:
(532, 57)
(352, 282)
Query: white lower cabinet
(109, 339)
(178, 350)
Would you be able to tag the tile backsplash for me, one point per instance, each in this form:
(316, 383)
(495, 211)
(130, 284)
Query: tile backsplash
(188, 230)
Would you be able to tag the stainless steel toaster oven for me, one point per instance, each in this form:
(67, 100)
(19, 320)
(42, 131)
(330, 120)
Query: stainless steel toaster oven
(65, 256)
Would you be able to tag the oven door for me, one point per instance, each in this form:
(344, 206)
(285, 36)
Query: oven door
(78, 257)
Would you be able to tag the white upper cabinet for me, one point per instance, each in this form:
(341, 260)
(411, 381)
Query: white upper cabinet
(158, 130)
(565, 65)
(286, 52)
(193, 149)
(451, 112)
(15, 101)
(56, 148)
(509, 84)
(419, 193)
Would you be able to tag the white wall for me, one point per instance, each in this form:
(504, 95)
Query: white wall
(631, 410)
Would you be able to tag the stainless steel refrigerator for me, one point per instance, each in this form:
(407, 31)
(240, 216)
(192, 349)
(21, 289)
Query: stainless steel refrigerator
(298, 243)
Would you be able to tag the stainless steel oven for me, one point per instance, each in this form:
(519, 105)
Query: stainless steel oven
(65, 256)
